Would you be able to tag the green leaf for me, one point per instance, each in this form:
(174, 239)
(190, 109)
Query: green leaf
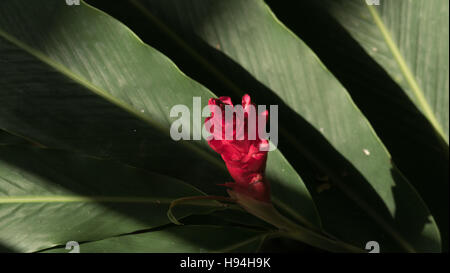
(99, 98)
(180, 239)
(244, 45)
(233, 217)
(77, 79)
(409, 39)
(268, 213)
(48, 198)
(416, 149)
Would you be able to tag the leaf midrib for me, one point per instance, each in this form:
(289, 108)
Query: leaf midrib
(238, 91)
(93, 199)
(229, 248)
(391, 230)
(105, 95)
(91, 87)
(408, 75)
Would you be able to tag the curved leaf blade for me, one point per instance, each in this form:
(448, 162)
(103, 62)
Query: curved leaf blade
(285, 71)
(48, 198)
(180, 239)
(101, 91)
(410, 40)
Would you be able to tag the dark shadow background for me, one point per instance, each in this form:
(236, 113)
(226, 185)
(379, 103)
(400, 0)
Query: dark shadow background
(337, 168)
(4, 249)
(304, 14)
(415, 148)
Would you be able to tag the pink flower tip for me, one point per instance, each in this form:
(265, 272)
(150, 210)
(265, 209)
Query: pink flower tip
(244, 158)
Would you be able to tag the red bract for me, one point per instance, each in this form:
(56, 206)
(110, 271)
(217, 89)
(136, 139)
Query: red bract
(243, 156)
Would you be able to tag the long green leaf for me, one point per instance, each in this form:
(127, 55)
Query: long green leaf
(50, 197)
(410, 40)
(416, 149)
(181, 239)
(78, 79)
(324, 124)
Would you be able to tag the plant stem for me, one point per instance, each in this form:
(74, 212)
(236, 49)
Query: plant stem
(289, 229)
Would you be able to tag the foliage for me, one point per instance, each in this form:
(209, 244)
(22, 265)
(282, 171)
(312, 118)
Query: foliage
(85, 149)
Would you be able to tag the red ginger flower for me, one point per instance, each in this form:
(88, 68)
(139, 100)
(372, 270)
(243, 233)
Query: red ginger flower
(245, 159)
